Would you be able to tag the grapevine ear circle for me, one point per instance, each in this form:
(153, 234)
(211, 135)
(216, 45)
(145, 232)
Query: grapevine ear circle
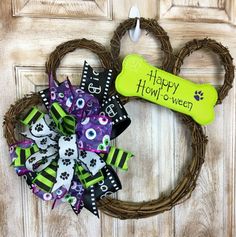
(218, 49)
(152, 27)
(61, 50)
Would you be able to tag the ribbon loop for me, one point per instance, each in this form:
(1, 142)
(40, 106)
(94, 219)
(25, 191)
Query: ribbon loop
(94, 133)
(91, 161)
(65, 174)
(99, 85)
(34, 162)
(64, 122)
(22, 154)
(32, 116)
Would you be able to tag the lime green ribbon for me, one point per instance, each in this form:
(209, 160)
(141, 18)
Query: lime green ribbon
(117, 157)
(64, 122)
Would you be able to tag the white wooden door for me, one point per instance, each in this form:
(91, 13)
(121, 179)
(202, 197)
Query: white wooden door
(31, 29)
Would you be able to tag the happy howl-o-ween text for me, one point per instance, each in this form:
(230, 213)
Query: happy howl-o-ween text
(158, 85)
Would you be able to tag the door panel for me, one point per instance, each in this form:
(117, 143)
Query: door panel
(97, 9)
(30, 30)
(206, 11)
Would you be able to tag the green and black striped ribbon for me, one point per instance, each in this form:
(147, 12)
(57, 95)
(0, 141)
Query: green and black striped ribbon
(23, 154)
(117, 157)
(46, 179)
(32, 116)
(86, 178)
(64, 122)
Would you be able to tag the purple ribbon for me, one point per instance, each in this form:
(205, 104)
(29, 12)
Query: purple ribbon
(93, 130)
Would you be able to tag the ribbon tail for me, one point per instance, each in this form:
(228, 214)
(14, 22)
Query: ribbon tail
(90, 201)
(65, 174)
(56, 203)
(46, 178)
(117, 157)
(22, 154)
(102, 189)
(75, 196)
(109, 185)
(45, 96)
(114, 109)
(101, 82)
(100, 88)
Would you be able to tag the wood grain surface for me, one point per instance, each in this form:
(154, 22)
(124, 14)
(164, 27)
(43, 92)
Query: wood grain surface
(30, 30)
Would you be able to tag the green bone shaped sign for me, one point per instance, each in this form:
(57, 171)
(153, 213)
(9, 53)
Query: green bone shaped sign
(140, 79)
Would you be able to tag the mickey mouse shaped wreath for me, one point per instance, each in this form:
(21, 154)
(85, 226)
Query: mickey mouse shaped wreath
(67, 157)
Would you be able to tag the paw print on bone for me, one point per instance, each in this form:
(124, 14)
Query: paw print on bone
(69, 152)
(39, 127)
(198, 95)
(64, 175)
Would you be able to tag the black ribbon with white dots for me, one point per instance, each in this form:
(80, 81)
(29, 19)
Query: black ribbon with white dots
(102, 189)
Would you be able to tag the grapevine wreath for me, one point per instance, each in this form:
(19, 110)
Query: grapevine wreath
(87, 126)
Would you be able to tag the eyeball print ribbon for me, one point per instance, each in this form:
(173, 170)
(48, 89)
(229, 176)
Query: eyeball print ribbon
(98, 84)
(67, 155)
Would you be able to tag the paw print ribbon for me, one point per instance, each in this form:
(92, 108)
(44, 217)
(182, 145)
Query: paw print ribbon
(53, 145)
(53, 161)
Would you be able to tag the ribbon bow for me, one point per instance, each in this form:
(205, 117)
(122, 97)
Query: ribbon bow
(68, 156)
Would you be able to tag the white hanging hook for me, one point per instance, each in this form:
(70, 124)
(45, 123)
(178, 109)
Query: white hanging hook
(135, 33)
